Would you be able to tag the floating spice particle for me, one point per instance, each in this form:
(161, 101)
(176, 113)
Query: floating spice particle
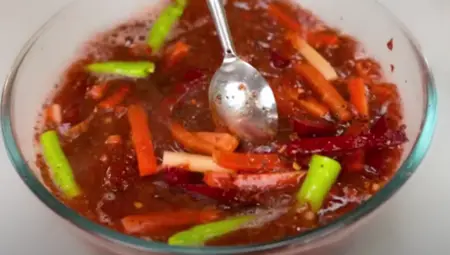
(138, 205)
(241, 86)
(107, 120)
(293, 136)
(390, 44)
(375, 187)
(309, 215)
(392, 68)
(104, 158)
(113, 139)
(282, 149)
(296, 166)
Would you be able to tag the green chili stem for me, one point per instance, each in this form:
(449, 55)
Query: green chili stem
(322, 174)
(198, 235)
(139, 69)
(164, 23)
(60, 168)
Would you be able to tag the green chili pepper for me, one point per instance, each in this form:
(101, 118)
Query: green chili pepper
(322, 174)
(198, 235)
(60, 168)
(139, 69)
(164, 23)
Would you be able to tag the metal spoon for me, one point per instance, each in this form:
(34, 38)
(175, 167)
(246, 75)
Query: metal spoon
(238, 94)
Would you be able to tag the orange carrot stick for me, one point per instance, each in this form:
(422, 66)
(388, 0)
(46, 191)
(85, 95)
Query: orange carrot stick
(156, 221)
(221, 141)
(190, 141)
(327, 92)
(115, 99)
(142, 140)
(283, 18)
(266, 181)
(314, 107)
(358, 97)
(98, 91)
(178, 51)
(247, 161)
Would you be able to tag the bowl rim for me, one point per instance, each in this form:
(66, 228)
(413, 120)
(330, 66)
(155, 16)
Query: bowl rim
(409, 166)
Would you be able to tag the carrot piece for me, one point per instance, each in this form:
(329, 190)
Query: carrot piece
(115, 99)
(358, 97)
(265, 181)
(190, 141)
(326, 91)
(156, 221)
(218, 180)
(323, 39)
(313, 57)
(281, 16)
(247, 161)
(222, 141)
(176, 52)
(142, 140)
(314, 107)
(98, 91)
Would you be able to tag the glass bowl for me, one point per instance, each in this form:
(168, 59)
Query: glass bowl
(50, 50)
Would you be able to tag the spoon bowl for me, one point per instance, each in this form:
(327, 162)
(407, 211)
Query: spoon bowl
(243, 100)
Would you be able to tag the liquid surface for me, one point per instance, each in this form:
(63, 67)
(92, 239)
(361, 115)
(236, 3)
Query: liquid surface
(107, 173)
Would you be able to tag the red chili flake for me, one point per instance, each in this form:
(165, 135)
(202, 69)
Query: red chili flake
(390, 44)
(392, 68)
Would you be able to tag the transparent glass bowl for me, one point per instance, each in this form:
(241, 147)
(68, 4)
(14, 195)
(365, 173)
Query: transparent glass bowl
(51, 49)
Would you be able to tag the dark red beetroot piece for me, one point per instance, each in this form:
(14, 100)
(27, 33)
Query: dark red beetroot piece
(306, 128)
(347, 142)
(375, 163)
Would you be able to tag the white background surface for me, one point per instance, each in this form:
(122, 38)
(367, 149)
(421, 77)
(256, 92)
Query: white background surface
(415, 221)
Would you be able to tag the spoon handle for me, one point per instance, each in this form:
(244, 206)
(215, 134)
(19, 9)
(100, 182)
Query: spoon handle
(220, 20)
